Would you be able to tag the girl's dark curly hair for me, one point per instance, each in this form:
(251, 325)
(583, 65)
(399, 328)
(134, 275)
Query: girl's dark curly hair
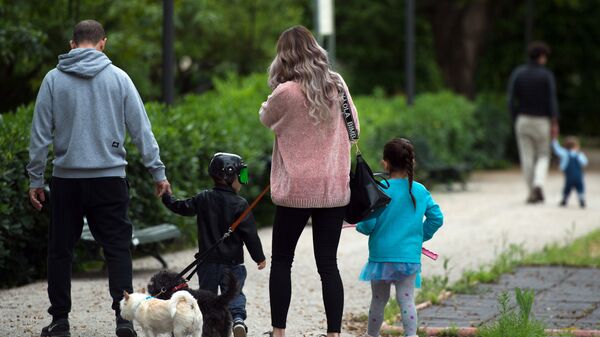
(400, 155)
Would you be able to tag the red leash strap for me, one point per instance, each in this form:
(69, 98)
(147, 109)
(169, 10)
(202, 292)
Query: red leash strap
(179, 287)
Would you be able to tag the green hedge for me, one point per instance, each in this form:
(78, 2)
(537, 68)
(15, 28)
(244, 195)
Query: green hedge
(444, 127)
(441, 126)
(189, 133)
(23, 230)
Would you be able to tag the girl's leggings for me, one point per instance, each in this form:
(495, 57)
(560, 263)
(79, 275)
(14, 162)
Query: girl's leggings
(405, 289)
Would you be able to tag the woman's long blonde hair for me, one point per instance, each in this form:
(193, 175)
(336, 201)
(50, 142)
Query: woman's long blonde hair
(300, 58)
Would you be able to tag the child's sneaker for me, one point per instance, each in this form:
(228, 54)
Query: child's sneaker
(58, 328)
(239, 328)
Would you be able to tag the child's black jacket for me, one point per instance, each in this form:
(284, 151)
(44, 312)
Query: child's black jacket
(215, 211)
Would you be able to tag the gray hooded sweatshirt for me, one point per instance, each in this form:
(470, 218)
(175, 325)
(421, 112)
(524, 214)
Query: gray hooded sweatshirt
(83, 108)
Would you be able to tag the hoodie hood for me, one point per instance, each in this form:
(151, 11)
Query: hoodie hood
(83, 62)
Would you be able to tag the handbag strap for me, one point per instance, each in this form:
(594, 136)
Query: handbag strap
(349, 119)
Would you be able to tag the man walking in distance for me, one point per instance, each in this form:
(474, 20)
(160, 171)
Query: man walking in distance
(84, 108)
(534, 108)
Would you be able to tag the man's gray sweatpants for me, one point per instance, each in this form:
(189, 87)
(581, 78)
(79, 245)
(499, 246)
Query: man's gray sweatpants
(533, 139)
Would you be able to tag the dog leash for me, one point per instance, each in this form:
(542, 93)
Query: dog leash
(199, 258)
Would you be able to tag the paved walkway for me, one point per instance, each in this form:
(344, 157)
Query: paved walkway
(479, 223)
(565, 298)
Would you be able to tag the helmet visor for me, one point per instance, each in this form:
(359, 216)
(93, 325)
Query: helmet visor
(243, 176)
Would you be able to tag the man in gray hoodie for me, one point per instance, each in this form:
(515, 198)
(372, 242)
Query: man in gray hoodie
(84, 108)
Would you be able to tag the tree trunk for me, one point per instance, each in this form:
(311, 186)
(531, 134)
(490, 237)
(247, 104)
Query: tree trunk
(459, 29)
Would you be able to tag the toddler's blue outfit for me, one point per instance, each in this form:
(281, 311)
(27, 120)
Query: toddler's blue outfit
(571, 163)
(396, 237)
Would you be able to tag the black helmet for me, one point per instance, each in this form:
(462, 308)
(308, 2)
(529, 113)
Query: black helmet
(228, 166)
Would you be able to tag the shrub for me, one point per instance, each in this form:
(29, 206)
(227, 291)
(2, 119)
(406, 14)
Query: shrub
(441, 125)
(494, 121)
(22, 229)
(189, 133)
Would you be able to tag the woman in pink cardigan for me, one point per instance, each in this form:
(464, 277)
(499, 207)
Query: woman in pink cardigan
(310, 169)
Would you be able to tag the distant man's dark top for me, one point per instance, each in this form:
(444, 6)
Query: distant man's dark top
(532, 92)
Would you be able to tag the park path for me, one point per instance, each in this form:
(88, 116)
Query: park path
(479, 223)
(565, 298)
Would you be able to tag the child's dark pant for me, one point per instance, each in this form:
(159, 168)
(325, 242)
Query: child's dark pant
(211, 276)
(287, 227)
(571, 184)
(104, 201)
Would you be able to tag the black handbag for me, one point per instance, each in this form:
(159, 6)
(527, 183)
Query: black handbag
(366, 196)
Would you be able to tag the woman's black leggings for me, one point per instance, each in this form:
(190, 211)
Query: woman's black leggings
(287, 227)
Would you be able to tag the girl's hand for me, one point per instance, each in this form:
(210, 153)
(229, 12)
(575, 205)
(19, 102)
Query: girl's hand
(262, 264)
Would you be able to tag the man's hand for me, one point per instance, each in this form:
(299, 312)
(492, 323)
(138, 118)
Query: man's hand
(554, 130)
(262, 264)
(37, 197)
(163, 187)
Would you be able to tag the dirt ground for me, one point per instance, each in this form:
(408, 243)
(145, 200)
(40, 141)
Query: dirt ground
(479, 223)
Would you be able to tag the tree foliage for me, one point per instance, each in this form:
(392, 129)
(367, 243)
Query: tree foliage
(215, 37)
(212, 38)
(370, 45)
(222, 120)
(572, 30)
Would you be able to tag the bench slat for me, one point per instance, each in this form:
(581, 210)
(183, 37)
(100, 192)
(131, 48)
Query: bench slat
(142, 236)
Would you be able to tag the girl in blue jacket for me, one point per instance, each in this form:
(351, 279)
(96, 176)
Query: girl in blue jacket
(396, 237)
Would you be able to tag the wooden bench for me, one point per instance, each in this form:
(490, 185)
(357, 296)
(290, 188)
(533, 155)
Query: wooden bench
(146, 240)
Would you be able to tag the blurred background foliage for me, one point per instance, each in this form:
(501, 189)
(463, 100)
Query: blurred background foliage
(466, 46)
(465, 51)
(190, 132)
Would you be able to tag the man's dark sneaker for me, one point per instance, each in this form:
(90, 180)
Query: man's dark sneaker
(124, 328)
(58, 328)
(538, 194)
(531, 199)
(582, 203)
(563, 203)
(239, 328)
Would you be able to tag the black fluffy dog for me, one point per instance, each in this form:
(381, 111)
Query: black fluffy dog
(215, 311)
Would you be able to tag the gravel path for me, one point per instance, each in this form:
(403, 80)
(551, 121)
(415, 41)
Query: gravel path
(479, 223)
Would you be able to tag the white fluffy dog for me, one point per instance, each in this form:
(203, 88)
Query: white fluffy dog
(180, 314)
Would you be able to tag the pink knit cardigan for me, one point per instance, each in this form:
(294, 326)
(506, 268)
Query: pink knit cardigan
(311, 163)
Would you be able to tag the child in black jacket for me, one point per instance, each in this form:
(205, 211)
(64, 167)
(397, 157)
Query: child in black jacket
(215, 211)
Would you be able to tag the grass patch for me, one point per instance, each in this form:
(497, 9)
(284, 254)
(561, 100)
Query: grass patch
(432, 287)
(506, 262)
(449, 332)
(514, 323)
(391, 311)
(583, 252)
